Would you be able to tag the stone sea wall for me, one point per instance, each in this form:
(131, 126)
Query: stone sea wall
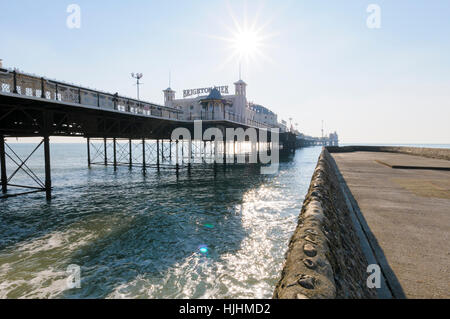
(324, 259)
(439, 153)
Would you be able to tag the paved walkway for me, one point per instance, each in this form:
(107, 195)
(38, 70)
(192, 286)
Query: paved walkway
(408, 214)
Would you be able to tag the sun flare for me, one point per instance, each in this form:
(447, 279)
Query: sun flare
(246, 44)
(247, 41)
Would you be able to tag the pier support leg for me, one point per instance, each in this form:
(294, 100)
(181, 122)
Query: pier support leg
(115, 154)
(252, 154)
(130, 153)
(182, 151)
(216, 152)
(3, 165)
(89, 152)
(157, 154)
(176, 157)
(258, 153)
(48, 180)
(189, 154)
(204, 151)
(143, 156)
(224, 154)
(105, 151)
(234, 151)
(210, 149)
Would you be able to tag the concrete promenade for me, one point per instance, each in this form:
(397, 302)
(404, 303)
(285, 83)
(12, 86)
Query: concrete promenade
(405, 214)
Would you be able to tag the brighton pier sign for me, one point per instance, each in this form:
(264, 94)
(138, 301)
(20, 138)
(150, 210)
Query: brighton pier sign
(222, 90)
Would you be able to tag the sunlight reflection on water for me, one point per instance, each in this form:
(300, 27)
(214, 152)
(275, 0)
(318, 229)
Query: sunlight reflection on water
(198, 236)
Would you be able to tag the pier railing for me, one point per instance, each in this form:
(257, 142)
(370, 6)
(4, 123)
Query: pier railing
(227, 116)
(13, 81)
(34, 86)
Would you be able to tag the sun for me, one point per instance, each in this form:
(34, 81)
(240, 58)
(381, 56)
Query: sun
(246, 44)
(247, 41)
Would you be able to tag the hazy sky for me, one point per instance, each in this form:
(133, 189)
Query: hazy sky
(321, 60)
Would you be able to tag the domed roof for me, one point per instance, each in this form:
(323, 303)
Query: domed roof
(240, 82)
(214, 95)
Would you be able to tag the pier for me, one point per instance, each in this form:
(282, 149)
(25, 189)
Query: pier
(119, 130)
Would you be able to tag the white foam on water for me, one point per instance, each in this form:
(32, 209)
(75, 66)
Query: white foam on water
(37, 268)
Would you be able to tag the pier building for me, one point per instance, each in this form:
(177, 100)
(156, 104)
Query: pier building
(215, 103)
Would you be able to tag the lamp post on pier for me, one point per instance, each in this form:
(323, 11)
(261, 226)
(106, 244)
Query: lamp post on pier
(138, 77)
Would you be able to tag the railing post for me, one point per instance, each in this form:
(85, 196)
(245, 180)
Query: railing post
(79, 95)
(56, 92)
(42, 88)
(98, 99)
(15, 81)
(3, 165)
(116, 100)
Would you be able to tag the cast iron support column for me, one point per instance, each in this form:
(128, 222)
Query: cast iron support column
(189, 154)
(157, 154)
(204, 151)
(224, 153)
(15, 82)
(3, 165)
(252, 153)
(176, 156)
(216, 153)
(89, 152)
(130, 155)
(182, 151)
(143, 155)
(210, 149)
(234, 151)
(258, 152)
(115, 156)
(48, 179)
(170, 151)
(105, 151)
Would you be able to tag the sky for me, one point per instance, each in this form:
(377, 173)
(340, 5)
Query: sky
(318, 60)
